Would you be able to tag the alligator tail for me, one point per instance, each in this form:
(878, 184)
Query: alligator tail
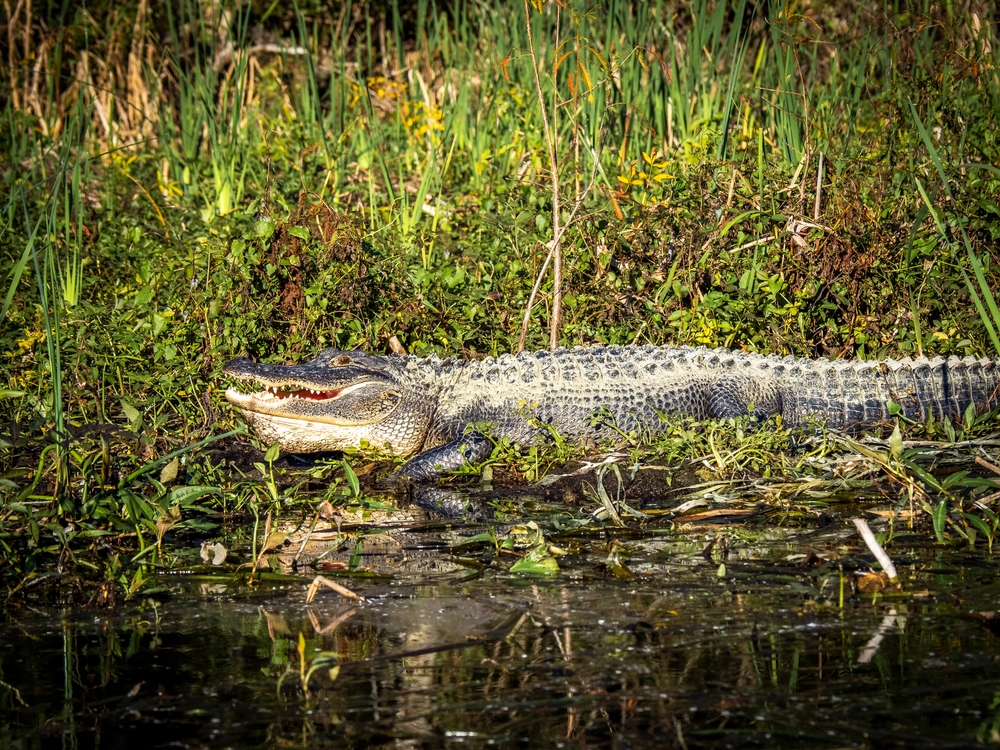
(859, 392)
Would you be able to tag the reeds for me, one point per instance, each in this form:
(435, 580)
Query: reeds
(632, 77)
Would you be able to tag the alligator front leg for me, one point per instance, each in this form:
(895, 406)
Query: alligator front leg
(430, 464)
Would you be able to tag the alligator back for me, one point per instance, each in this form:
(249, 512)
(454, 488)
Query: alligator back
(634, 387)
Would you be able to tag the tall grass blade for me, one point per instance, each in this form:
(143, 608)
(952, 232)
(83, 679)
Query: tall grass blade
(737, 67)
(18, 270)
(990, 321)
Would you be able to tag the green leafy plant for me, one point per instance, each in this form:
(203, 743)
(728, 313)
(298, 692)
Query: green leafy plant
(309, 665)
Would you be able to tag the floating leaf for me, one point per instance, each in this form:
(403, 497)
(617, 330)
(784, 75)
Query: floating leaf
(198, 524)
(615, 565)
(538, 562)
(483, 538)
(214, 553)
(547, 566)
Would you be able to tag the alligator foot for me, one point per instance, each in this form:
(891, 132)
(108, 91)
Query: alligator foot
(468, 449)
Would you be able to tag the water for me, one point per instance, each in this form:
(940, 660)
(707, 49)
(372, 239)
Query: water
(644, 639)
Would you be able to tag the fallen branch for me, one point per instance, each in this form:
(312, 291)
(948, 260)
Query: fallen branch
(880, 554)
(987, 465)
(321, 581)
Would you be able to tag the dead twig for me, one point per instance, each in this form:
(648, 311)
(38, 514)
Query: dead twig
(552, 248)
(819, 188)
(397, 346)
(980, 461)
(883, 559)
(321, 581)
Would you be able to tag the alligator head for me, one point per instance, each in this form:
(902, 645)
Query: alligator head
(331, 403)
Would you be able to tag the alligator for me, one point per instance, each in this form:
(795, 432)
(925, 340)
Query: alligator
(434, 411)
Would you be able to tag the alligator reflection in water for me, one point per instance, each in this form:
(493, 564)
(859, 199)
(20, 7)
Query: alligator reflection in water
(683, 654)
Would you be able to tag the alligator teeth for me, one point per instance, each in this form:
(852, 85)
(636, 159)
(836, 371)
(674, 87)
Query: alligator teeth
(295, 392)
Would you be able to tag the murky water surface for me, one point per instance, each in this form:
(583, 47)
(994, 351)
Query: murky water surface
(643, 639)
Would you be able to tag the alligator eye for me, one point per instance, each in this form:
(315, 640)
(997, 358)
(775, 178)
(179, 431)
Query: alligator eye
(340, 361)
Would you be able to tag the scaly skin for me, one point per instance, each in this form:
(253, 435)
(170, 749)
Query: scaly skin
(429, 407)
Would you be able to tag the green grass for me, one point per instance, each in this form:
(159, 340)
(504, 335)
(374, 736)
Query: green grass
(201, 182)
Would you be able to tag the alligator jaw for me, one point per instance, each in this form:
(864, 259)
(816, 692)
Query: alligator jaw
(273, 398)
(339, 400)
(296, 434)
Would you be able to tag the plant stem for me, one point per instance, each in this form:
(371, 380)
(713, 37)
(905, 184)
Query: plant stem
(541, 274)
(819, 188)
(556, 319)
